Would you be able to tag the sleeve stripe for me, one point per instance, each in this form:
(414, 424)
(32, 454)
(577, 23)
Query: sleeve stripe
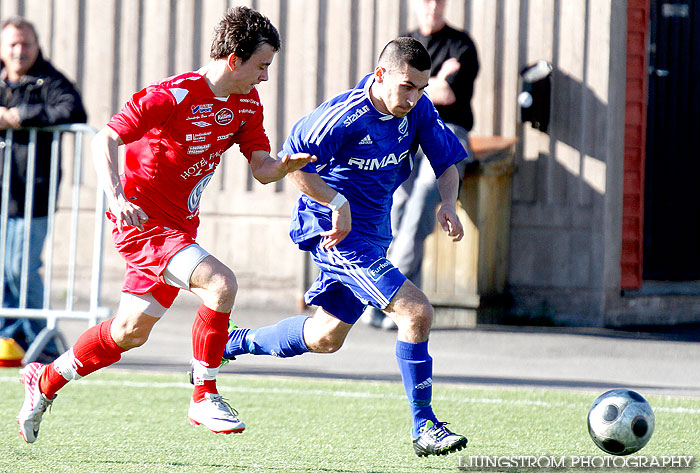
(332, 115)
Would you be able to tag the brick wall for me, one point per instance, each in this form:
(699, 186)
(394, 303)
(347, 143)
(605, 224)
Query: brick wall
(635, 144)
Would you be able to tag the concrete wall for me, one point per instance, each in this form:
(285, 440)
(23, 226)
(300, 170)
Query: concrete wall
(564, 257)
(565, 232)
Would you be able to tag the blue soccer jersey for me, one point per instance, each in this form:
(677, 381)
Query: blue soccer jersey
(365, 155)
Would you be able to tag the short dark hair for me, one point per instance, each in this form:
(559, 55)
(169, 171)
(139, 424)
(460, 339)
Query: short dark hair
(405, 50)
(20, 23)
(241, 31)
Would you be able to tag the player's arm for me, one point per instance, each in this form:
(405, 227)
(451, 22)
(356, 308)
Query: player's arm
(313, 186)
(448, 185)
(105, 156)
(267, 169)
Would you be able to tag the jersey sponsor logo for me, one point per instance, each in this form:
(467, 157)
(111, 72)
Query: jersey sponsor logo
(378, 268)
(224, 137)
(199, 149)
(223, 116)
(201, 124)
(367, 140)
(370, 164)
(358, 113)
(254, 102)
(197, 137)
(246, 110)
(196, 194)
(204, 108)
(201, 166)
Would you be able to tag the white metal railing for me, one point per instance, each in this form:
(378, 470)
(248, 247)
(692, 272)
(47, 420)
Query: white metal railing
(48, 311)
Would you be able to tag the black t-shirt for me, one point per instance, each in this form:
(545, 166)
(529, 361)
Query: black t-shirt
(452, 43)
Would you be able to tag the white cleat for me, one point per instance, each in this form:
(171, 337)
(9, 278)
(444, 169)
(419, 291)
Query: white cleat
(215, 414)
(35, 403)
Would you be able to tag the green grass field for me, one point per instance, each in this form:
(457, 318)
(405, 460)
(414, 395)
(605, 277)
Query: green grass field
(122, 422)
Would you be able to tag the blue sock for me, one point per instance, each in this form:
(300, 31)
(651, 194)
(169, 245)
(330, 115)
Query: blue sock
(284, 339)
(416, 368)
(236, 343)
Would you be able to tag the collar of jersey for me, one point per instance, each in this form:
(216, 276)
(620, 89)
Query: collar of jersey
(204, 85)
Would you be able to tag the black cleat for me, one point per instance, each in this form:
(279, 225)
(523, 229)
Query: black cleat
(436, 439)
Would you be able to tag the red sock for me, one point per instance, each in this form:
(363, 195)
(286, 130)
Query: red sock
(209, 336)
(93, 350)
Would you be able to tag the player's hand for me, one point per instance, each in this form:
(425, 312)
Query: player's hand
(450, 222)
(128, 214)
(342, 224)
(296, 161)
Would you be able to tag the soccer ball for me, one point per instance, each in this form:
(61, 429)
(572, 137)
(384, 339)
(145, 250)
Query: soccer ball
(620, 422)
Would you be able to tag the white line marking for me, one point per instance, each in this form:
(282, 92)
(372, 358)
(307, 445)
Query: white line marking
(347, 394)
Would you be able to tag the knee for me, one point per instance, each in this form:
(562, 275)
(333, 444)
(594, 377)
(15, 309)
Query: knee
(425, 319)
(129, 335)
(420, 322)
(224, 287)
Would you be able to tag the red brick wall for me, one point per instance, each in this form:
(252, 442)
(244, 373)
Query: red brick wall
(635, 144)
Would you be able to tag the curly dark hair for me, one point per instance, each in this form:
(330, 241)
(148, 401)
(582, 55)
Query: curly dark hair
(241, 31)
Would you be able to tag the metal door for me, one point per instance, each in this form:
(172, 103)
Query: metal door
(672, 174)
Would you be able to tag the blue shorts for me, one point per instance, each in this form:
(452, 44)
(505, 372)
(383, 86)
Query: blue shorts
(353, 273)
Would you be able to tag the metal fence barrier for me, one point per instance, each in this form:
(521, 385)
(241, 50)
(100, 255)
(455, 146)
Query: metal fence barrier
(70, 258)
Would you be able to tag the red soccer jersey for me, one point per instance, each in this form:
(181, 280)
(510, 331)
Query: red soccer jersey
(175, 133)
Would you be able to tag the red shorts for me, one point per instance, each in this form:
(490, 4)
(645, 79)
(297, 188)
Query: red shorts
(147, 254)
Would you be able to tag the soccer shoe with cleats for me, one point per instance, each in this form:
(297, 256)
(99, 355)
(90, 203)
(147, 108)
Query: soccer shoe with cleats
(436, 439)
(35, 403)
(215, 414)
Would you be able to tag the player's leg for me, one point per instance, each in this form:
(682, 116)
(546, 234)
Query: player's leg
(215, 284)
(324, 332)
(359, 267)
(413, 314)
(98, 347)
(283, 339)
(321, 333)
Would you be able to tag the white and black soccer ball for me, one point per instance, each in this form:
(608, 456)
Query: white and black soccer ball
(620, 422)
